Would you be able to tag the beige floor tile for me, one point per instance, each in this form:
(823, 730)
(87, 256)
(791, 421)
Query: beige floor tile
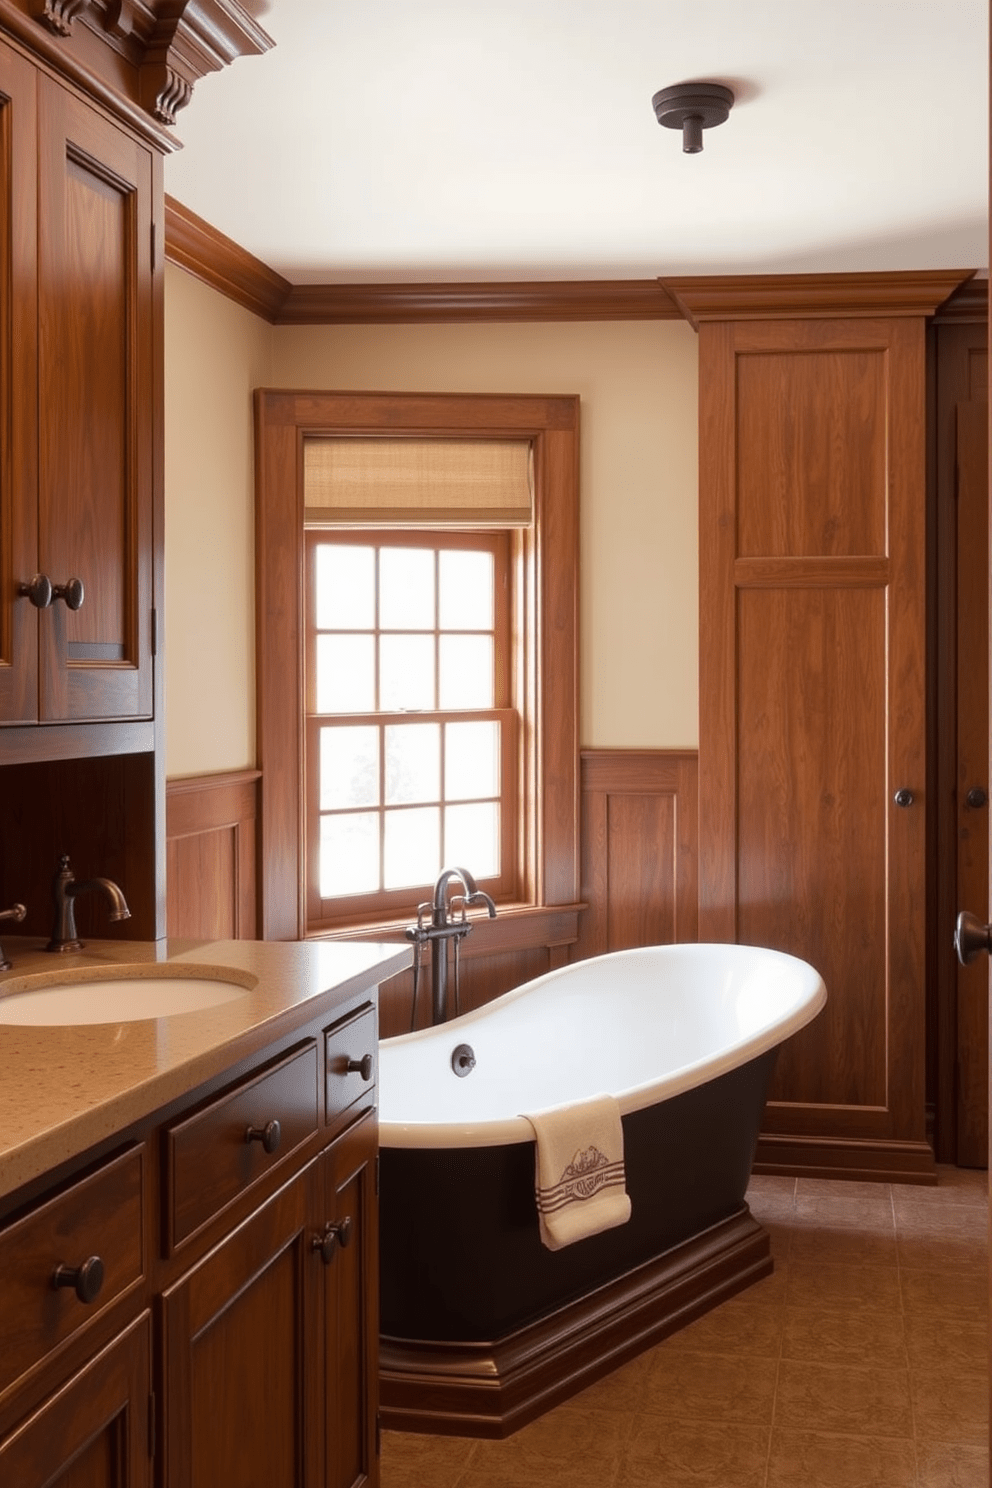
(949, 1465)
(827, 1285)
(741, 1326)
(948, 1345)
(872, 1206)
(961, 1293)
(672, 1454)
(844, 1245)
(944, 1251)
(950, 1407)
(908, 1198)
(861, 1340)
(410, 1459)
(957, 1221)
(832, 1398)
(691, 1386)
(620, 1390)
(803, 1459)
(568, 1448)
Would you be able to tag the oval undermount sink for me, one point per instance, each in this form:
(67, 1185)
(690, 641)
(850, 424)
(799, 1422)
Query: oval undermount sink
(124, 999)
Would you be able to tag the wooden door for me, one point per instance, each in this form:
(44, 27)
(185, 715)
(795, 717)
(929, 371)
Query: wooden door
(94, 1432)
(95, 411)
(972, 771)
(351, 1311)
(244, 1375)
(18, 376)
(812, 710)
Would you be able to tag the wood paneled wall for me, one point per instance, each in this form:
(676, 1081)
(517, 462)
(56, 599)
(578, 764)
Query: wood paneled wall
(639, 849)
(210, 856)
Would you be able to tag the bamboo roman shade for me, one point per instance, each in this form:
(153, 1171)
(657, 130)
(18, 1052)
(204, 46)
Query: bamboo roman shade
(417, 482)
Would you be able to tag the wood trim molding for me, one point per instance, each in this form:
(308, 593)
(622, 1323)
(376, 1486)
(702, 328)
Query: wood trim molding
(211, 851)
(804, 296)
(201, 250)
(552, 300)
(640, 848)
(968, 303)
(492, 1389)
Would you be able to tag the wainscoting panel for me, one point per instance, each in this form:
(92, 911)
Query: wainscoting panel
(639, 849)
(210, 856)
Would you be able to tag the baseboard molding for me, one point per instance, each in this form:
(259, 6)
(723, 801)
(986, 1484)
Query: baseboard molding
(492, 1389)
(838, 1157)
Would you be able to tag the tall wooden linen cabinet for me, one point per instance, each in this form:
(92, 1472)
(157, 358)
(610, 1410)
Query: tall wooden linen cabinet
(812, 764)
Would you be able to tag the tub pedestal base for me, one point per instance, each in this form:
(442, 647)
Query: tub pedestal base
(492, 1389)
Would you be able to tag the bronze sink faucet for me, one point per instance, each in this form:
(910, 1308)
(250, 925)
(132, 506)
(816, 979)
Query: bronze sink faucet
(15, 912)
(65, 890)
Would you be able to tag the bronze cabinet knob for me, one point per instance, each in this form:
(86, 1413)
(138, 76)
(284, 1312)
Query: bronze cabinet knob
(270, 1135)
(334, 1235)
(971, 937)
(85, 1280)
(363, 1066)
(71, 591)
(39, 591)
(903, 797)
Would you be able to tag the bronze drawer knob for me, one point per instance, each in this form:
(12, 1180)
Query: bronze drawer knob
(334, 1235)
(85, 1280)
(363, 1066)
(270, 1135)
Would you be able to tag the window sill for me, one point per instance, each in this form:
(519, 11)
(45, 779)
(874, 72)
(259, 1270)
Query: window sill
(517, 927)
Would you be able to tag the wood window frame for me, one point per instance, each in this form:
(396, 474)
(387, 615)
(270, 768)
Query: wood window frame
(504, 712)
(545, 636)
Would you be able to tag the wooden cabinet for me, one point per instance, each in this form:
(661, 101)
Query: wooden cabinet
(237, 1319)
(76, 361)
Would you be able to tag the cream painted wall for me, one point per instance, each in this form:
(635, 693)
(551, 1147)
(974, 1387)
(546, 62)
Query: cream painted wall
(215, 354)
(638, 562)
(639, 555)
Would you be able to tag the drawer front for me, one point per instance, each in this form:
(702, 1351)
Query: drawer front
(216, 1155)
(98, 1217)
(351, 1064)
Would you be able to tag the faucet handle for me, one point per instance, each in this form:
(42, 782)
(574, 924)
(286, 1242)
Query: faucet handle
(15, 912)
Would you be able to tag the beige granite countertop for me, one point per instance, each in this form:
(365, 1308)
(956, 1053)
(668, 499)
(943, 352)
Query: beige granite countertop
(65, 1088)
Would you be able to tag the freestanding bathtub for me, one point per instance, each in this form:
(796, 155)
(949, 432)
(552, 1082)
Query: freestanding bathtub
(482, 1327)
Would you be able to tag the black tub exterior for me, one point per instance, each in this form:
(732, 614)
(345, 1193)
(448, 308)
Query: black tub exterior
(461, 1254)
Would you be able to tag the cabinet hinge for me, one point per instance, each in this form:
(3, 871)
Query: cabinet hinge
(151, 1424)
(378, 1434)
(154, 632)
(154, 233)
(377, 1175)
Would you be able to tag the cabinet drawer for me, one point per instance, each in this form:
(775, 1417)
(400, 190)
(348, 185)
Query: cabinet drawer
(98, 1217)
(346, 1045)
(216, 1155)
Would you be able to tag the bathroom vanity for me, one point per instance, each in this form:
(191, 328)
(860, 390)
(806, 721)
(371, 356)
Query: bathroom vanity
(188, 1220)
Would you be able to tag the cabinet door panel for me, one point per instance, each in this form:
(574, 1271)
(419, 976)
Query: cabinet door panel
(352, 1312)
(18, 371)
(244, 1381)
(93, 1433)
(95, 397)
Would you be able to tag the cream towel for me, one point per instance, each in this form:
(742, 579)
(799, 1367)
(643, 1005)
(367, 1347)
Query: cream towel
(580, 1180)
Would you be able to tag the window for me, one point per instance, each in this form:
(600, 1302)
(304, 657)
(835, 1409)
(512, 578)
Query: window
(411, 736)
(529, 719)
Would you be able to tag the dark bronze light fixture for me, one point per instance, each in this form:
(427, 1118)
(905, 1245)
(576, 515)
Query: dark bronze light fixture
(692, 107)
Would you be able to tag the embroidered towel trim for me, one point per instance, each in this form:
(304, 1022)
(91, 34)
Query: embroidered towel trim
(580, 1181)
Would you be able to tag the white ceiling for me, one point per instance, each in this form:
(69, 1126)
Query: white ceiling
(384, 140)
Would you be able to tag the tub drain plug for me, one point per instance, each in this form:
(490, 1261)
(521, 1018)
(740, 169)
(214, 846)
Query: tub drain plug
(463, 1060)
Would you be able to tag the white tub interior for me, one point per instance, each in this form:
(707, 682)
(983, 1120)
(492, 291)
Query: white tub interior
(641, 1025)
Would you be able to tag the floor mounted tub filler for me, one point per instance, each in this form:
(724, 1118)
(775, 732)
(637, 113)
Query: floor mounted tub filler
(482, 1327)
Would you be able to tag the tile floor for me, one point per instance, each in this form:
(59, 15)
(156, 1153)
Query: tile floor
(861, 1363)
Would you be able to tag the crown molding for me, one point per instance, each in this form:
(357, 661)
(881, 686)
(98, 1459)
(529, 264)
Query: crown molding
(969, 303)
(206, 253)
(809, 296)
(531, 300)
(199, 248)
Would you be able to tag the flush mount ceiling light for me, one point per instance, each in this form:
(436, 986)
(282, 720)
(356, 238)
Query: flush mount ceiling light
(692, 107)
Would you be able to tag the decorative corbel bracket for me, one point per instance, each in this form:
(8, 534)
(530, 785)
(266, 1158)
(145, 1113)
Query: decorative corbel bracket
(58, 15)
(206, 36)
